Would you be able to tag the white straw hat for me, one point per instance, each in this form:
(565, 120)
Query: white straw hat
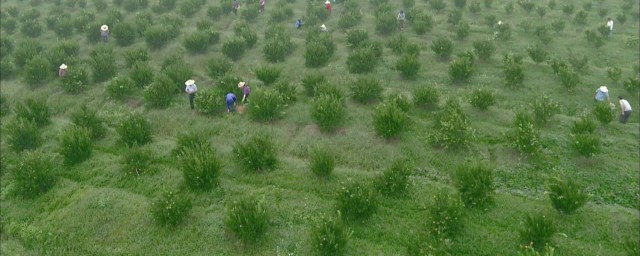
(240, 84)
(604, 89)
(189, 82)
(323, 26)
(499, 22)
(327, 2)
(63, 66)
(104, 28)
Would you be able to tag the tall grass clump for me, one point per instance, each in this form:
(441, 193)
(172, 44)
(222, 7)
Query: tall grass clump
(75, 145)
(186, 141)
(76, 80)
(124, 33)
(482, 98)
(584, 125)
(426, 96)
(135, 55)
(119, 87)
(389, 120)
(319, 49)
(178, 70)
(408, 66)
(445, 216)
(355, 37)
(34, 173)
(351, 16)
(537, 53)
(134, 129)
(475, 182)
(247, 219)
(200, 168)
(543, 109)
(321, 161)
(328, 111)
(512, 70)
(141, 74)
(278, 44)
(257, 153)
(170, 209)
(330, 235)
(586, 144)
(268, 74)
(22, 134)
(603, 112)
(138, 161)
(366, 89)
(210, 101)
(218, 67)
(34, 109)
(199, 41)
(312, 81)
(421, 22)
(461, 69)
(451, 127)
(103, 63)
(234, 48)
(394, 180)
(363, 60)
(357, 201)
(266, 105)
(484, 49)
(160, 93)
(566, 196)
(537, 231)
(442, 47)
(249, 35)
(37, 70)
(525, 136)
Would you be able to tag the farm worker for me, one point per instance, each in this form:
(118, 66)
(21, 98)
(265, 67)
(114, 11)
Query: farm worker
(625, 110)
(63, 70)
(323, 28)
(401, 20)
(602, 93)
(231, 102)
(610, 26)
(236, 5)
(246, 90)
(298, 23)
(497, 33)
(104, 33)
(191, 89)
(328, 5)
(262, 3)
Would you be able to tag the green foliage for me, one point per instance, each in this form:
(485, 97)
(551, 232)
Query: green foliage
(247, 219)
(446, 216)
(64, 52)
(157, 36)
(75, 145)
(134, 129)
(257, 153)
(160, 93)
(234, 48)
(586, 144)
(437, 5)
(408, 65)
(191, 7)
(461, 69)
(475, 183)
(357, 201)
(281, 12)
(330, 235)
(442, 47)
(537, 53)
(124, 33)
(397, 43)
(474, 7)
(37, 70)
(177, 70)
(103, 63)
(141, 74)
(462, 30)
(569, 78)
(199, 41)
(136, 55)
(542, 33)
(512, 70)
(543, 109)
(362, 60)
(603, 112)
(321, 161)
(593, 38)
(328, 111)
(75, 81)
(355, 37)
(484, 49)
(350, 16)
(366, 89)
(482, 98)
(537, 231)
(394, 181)
(287, 90)
(189, 141)
(89, 119)
(577, 63)
(451, 127)
(218, 67)
(614, 73)
(566, 196)
(266, 105)
(119, 87)
(31, 28)
(399, 100)
(568, 9)
(558, 26)
(268, 74)
(421, 22)
(278, 47)
(4, 105)
(200, 168)
(584, 125)
(7, 68)
(389, 120)
(34, 109)
(311, 81)
(25, 51)
(243, 30)
(426, 96)
(170, 209)
(34, 174)
(9, 25)
(454, 17)
(525, 136)
(580, 18)
(385, 21)
(503, 32)
(632, 85)
(23, 134)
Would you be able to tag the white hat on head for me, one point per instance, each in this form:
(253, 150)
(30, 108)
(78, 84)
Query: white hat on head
(323, 26)
(604, 89)
(240, 84)
(104, 28)
(189, 82)
(63, 66)
(327, 2)
(499, 22)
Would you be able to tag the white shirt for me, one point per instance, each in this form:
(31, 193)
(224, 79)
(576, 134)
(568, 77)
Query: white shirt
(609, 24)
(191, 88)
(624, 105)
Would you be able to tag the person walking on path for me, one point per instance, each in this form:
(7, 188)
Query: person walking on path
(104, 33)
(328, 5)
(401, 20)
(602, 93)
(231, 102)
(625, 110)
(262, 3)
(191, 89)
(610, 26)
(298, 23)
(62, 71)
(246, 90)
(236, 5)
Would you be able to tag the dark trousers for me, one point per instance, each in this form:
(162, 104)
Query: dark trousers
(192, 97)
(624, 117)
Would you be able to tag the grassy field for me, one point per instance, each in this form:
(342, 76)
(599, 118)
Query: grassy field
(95, 208)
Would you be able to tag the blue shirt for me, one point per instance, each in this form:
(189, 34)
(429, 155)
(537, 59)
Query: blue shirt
(601, 96)
(231, 97)
(298, 23)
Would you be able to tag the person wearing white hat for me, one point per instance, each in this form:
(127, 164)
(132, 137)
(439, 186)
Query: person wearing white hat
(262, 3)
(602, 93)
(62, 71)
(246, 90)
(328, 5)
(104, 33)
(400, 18)
(323, 28)
(191, 89)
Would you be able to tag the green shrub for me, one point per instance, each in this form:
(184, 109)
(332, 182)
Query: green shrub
(33, 175)
(134, 5)
(330, 235)
(320, 48)
(7, 68)
(64, 52)
(34, 109)
(355, 37)
(25, 51)
(287, 90)
(135, 55)
(328, 111)
(603, 112)
(454, 17)
(558, 26)
(75, 81)
(462, 30)
(474, 7)
(362, 60)
(266, 105)
(426, 96)
(484, 49)
(119, 87)
(525, 136)
(234, 48)
(542, 33)
(4, 105)
(124, 33)
(31, 28)
(408, 65)
(537, 53)
(442, 47)
(210, 101)
(503, 32)
(593, 38)
(460, 3)
(389, 120)
(191, 7)
(141, 74)
(584, 125)
(178, 71)
(37, 70)
(160, 93)
(247, 219)
(566, 195)
(580, 18)
(397, 43)
(451, 127)
(23, 134)
(321, 161)
(278, 48)
(446, 216)
(243, 30)
(543, 109)
(578, 63)
(311, 81)
(281, 12)
(268, 74)
(199, 41)
(512, 70)
(218, 67)
(631, 246)
(103, 63)
(399, 100)
(394, 181)
(170, 209)
(366, 89)
(557, 65)
(461, 69)
(475, 183)
(75, 145)
(357, 201)
(9, 25)
(568, 9)
(482, 98)
(632, 85)
(614, 73)
(250, 12)
(187, 141)
(537, 231)
(351, 15)
(385, 21)
(569, 78)
(157, 36)
(200, 168)
(89, 119)
(586, 144)
(257, 153)
(134, 129)
(437, 5)
(421, 22)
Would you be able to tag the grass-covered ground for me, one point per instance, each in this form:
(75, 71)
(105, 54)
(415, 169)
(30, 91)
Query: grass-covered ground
(95, 208)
